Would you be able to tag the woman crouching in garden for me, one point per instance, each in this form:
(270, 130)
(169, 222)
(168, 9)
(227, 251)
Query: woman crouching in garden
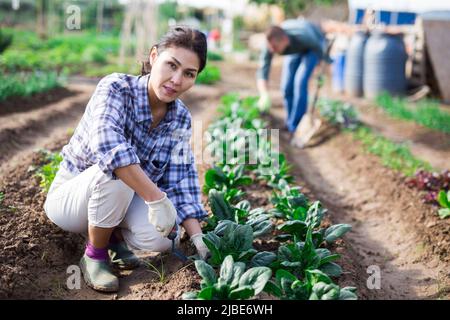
(123, 180)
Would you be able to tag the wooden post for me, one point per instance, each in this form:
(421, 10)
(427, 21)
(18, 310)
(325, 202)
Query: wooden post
(41, 8)
(143, 15)
(126, 31)
(100, 7)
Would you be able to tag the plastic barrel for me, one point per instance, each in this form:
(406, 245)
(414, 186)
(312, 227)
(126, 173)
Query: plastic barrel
(384, 65)
(354, 64)
(338, 72)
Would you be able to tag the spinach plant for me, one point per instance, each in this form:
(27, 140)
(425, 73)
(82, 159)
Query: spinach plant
(232, 283)
(272, 173)
(296, 229)
(316, 285)
(226, 178)
(301, 256)
(290, 203)
(230, 238)
(240, 213)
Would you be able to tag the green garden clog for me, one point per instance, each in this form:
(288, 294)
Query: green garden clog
(98, 275)
(122, 257)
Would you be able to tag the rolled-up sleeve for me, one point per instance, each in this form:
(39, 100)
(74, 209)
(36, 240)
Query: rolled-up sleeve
(180, 182)
(265, 60)
(107, 140)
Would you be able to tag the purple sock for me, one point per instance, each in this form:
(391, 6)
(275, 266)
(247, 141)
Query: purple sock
(96, 253)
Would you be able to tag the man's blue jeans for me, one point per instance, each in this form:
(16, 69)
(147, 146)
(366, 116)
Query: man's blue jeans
(297, 70)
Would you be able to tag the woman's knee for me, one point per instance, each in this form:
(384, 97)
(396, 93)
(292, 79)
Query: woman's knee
(64, 217)
(108, 203)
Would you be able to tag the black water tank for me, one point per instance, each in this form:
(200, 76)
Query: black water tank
(354, 64)
(384, 65)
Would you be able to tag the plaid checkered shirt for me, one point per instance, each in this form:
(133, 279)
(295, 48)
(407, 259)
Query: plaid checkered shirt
(115, 132)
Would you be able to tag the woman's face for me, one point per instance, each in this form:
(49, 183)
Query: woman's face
(173, 72)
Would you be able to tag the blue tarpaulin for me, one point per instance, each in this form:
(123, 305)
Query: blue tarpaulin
(395, 12)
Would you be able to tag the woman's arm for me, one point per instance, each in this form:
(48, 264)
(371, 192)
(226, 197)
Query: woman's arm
(192, 226)
(195, 233)
(134, 177)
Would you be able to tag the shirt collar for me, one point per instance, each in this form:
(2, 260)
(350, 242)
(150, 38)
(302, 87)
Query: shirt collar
(142, 108)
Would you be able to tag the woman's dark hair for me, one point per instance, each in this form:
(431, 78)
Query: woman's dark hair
(181, 37)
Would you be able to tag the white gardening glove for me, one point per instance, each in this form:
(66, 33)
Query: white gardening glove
(264, 102)
(162, 214)
(202, 249)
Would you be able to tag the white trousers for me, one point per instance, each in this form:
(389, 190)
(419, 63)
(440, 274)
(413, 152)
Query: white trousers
(92, 198)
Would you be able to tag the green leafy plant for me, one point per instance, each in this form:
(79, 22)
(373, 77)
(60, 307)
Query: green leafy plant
(331, 291)
(237, 137)
(425, 112)
(214, 56)
(230, 238)
(316, 285)
(47, 172)
(236, 224)
(338, 113)
(63, 52)
(273, 174)
(296, 229)
(26, 84)
(241, 213)
(245, 110)
(263, 259)
(227, 142)
(94, 54)
(301, 256)
(209, 75)
(2, 198)
(5, 41)
(233, 281)
(260, 222)
(289, 203)
(444, 201)
(226, 178)
(221, 209)
(393, 155)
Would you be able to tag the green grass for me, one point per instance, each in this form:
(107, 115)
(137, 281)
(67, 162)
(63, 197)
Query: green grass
(393, 155)
(161, 274)
(426, 113)
(209, 75)
(26, 84)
